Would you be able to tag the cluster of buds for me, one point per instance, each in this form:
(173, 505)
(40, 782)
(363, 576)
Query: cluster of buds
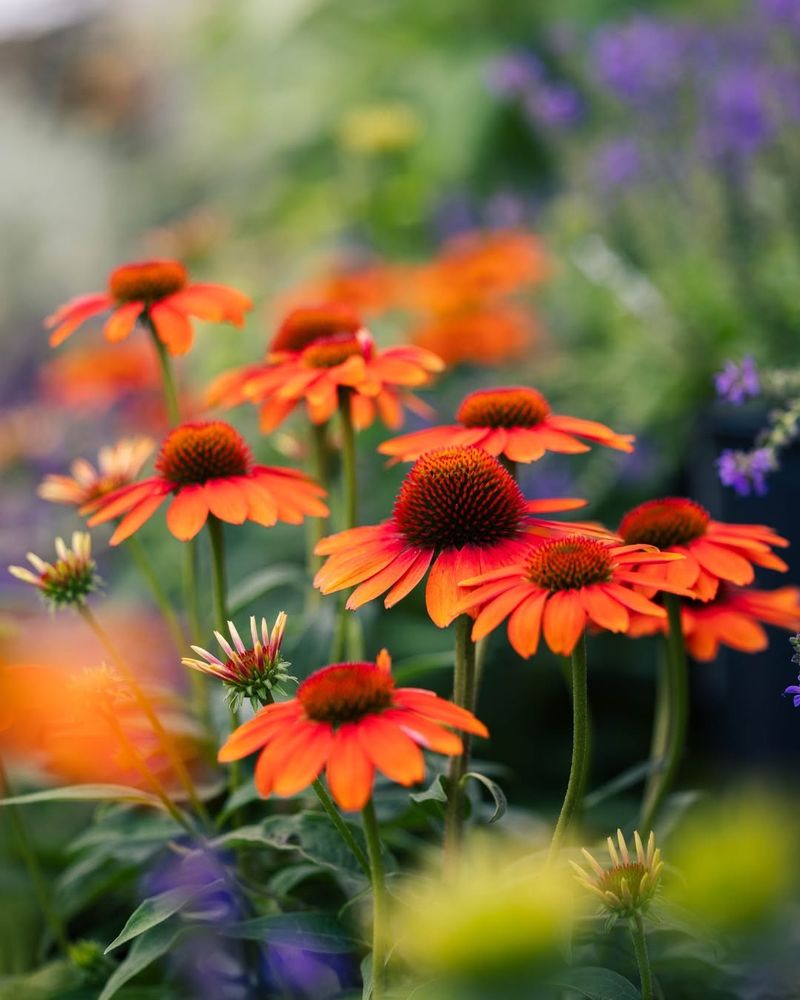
(628, 885)
(255, 673)
(67, 581)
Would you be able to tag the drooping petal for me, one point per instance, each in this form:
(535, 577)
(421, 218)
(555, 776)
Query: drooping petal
(382, 581)
(226, 500)
(135, 518)
(303, 766)
(412, 577)
(259, 730)
(122, 321)
(187, 513)
(391, 750)
(350, 772)
(722, 562)
(495, 610)
(603, 609)
(525, 624)
(429, 705)
(67, 318)
(423, 731)
(173, 328)
(563, 621)
(442, 595)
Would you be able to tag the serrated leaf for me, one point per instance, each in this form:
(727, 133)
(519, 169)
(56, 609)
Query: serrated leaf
(86, 793)
(262, 582)
(157, 909)
(595, 983)
(497, 793)
(147, 948)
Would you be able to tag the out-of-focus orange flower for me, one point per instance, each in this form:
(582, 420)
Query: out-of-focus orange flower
(28, 432)
(485, 335)
(713, 550)
(350, 719)
(559, 586)
(159, 290)
(118, 465)
(733, 618)
(209, 469)
(99, 375)
(515, 422)
(320, 352)
(369, 289)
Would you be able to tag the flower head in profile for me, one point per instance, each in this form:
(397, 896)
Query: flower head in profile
(318, 353)
(714, 551)
(629, 883)
(255, 672)
(734, 618)
(515, 422)
(118, 465)
(350, 719)
(458, 513)
(159, 290)
(207, 468)
(558, 586)
(67, 581)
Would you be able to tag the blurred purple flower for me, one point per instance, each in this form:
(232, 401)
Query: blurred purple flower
(514, 74)
(640, 59)
(455, 213)
(739, 120)
(785, 13)
(746, 471)
(505, 210)
(555, 105)
(794, 689)
(617, 163)
(736, 383)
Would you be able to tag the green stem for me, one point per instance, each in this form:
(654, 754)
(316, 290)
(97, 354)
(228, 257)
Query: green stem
(642, 957)
(580, 715)
(344, 640)
(317, 527)
(192, 601)
(167, 377)
(379, 900)
(146, 706)
(464, 676)
(660, 737)
(342, 828)
(31, 862)
(678, 684)
(150, 577)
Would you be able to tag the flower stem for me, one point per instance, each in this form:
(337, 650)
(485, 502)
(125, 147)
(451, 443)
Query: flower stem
(642, 958)
(167, 377)
(149, 575)
(31, 862)
(463, 695)
(580, 743)
(378, 900)
(678, 695)
(345, 636)
(317, 527)
(341, 827)
(660, 737)
(146, 706)
(192, 601)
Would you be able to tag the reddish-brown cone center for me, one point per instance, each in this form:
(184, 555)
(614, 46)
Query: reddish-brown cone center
(454, 497)
(331, 351)
(308, 324)
(569, 563)
(197, 452)
(667, 522)
(345, 692)
(515, 407)
(147, 280)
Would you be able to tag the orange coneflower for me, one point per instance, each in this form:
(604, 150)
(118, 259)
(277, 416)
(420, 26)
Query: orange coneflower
(97, 376)
(515, 422)
(350, 719)
(118, 465)
(160, 289)
(209, 469)
(370, 288)
(714, 550)
(489, 334)
(458, 512)
(319, 352)
(732, 618)
(558, 586)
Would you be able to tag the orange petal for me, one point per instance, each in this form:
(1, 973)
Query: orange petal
(120, 323)
(413, 575)
(391, 750)
(187, 513)
(135, 518)
(603, 609)
(523, 445)
(261, 504)
(442, 595)
(306, 762)
(431, 706)
(497, 609)
(173, 328)
(563, 621)
(350, 772)
(67, 318)
(722, 562)
(383, 580)
(226, 500)
(424, 731)
(259, 730)
(525, 624)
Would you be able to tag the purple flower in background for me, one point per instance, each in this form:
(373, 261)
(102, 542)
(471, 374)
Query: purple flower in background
(554, 104)
(736, 383)
(514, 74)
(505, 210)
(794, 689)
(785, 13)
(640, 59)
(617, 163)
(746, 471)
(739, 120)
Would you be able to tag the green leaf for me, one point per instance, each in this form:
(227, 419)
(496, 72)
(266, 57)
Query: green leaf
(595, 983)
(417, 666)
(435, 792)
(311, 931)
(147, 948)
(86, 793)
(157, 909)
(497, 793)
(262, 582)
(366, 976)
(629, 777)
(242, 796)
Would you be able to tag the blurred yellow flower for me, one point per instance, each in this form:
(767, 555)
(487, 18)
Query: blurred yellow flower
(373, 129)
(497, 914)
(735, 862)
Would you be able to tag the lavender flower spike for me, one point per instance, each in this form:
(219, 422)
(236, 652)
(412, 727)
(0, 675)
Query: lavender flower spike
(736, 383)
(746, 471)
